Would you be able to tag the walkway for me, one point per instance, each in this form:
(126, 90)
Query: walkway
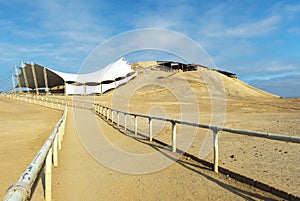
(80, 177)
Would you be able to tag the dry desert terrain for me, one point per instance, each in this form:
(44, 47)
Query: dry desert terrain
(182, 95)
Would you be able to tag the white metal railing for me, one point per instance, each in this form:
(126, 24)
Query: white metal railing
(108, 113)
(45, 158)
(50, 101)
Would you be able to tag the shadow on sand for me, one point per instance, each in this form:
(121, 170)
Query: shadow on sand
(193, 163)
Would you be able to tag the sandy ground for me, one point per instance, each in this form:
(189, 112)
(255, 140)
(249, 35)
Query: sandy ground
(24, 129)
(81, 177)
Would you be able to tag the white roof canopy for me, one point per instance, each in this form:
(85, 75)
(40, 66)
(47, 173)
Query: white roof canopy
(33, 76)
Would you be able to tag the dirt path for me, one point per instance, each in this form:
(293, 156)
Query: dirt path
(80, 177)
(24, 129)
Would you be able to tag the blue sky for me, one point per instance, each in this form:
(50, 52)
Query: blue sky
(257, 40)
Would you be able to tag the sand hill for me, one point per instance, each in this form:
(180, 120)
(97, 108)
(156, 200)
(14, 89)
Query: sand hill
(183, 95)
(233, 86)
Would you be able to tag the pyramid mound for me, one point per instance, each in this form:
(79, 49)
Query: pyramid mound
(204, 82)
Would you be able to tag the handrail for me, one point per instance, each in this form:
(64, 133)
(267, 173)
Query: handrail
(286, 138)
(109, 115)
(98, 108)
(272, 136)
(104, 111)
(21, 190)
(215, 129)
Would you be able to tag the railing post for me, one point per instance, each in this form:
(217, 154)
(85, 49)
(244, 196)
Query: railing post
(64, 126)
(173, 136)
(55, 155)
(125, 122)
(112, 116)
(107, 114)
(118, 118)
(135, 125)
(61, 132)
(216, 148)
(59, 138)
(48, 172)
(150, 129)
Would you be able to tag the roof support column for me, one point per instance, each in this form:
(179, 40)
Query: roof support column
(25, 76)
(13, 82)
(101, 89)
(65, 89)
(46, 81)
(19, 83)
(34, 78)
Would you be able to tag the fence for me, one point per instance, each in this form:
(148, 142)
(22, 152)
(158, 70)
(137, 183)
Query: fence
(53, 102)
(58, 103)
(109, 114)
(45, 158)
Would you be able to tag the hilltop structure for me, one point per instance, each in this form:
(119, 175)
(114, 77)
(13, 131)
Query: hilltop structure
(176, 66)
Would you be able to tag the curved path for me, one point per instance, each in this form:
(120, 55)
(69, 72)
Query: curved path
(80, 177)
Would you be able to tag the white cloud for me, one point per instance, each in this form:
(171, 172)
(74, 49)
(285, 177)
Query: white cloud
(268, 70)
(57, 34)
(286, 86)
(166, 16)
(294, 30)
(148, 39)
(244, 30)
(276, 67)
(292, 8)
